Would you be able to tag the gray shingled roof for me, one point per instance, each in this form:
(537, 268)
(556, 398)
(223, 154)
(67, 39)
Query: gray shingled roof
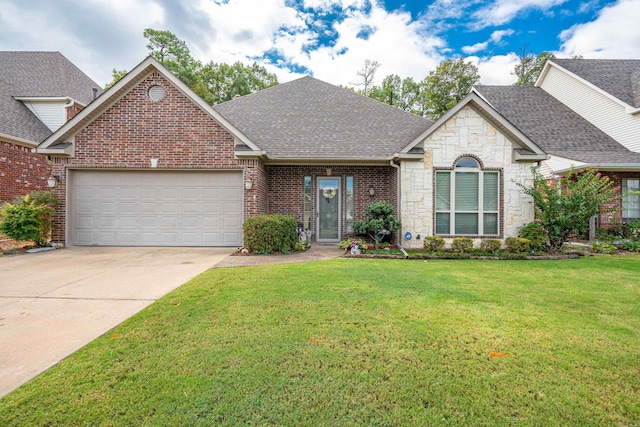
(41, 74)
(553, 126)
(310, 119)
(618, 77)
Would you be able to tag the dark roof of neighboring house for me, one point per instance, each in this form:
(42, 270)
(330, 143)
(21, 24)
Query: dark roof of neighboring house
(37, 74)
(553, 126)
(308, 118)
(618, 77)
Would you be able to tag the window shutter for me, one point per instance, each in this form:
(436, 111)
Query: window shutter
(466, 191)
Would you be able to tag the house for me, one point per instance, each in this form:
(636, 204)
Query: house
(39, 91)
(584, 114)
(150, 163)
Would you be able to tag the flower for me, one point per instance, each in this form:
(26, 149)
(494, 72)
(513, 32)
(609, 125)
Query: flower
(329, 193)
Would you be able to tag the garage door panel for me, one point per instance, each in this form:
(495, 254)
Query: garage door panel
(140, 208)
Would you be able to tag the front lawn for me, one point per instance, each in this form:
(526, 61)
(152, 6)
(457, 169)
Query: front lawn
(364, 342)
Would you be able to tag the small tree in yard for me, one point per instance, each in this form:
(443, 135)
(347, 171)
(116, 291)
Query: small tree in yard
(28, 218)
(380, 218)
(564, 206)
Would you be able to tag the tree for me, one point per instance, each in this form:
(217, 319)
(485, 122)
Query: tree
(564, 206)
(117, 75)
(381, 218)
(213, 82)
(389, 92)
(530, 66)
(447, 84)
(367, 75)
(174, 54)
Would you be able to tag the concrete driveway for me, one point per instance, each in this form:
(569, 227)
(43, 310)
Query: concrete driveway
(52, 303)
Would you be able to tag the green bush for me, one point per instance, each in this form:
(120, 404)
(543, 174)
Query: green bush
(381, 219)
(537, 235)
(630, 246)
(28, 218)
(604, 248)
(433, 244)
(462, 245)
(266, 234)
(490, 245)
(517, 245)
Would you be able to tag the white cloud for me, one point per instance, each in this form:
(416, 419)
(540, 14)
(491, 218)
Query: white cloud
(614, 34)
(503, 11)
(496, 70)
(498, 35)
(475, 48)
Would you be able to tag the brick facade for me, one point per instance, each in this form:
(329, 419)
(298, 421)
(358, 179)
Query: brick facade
(174, 130)
(21, 171)
(286, 188)
(606, 220)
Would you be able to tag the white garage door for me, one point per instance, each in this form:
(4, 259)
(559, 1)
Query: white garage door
(156, 208)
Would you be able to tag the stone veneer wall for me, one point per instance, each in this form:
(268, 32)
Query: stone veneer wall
(466, 133)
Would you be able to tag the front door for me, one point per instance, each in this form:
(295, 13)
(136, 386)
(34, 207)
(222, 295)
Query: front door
(329, 208)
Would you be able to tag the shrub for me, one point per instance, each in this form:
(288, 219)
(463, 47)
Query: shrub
(266, 234)
(630, 246)
(462, 245)
(490, 245)
(381, 218)
(433, 244)
(567, 212)
(28, 218)
(537, 235)
(517, 245)
(604, 248)
(349, 243)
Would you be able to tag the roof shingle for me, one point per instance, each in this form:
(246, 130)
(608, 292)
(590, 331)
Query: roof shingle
(37, 74)
(553, 126)
(310, 119)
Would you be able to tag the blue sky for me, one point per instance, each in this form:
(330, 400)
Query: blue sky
(329, 39)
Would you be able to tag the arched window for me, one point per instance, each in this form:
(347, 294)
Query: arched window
(467, 200)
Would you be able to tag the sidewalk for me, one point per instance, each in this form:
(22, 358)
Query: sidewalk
(316, 252)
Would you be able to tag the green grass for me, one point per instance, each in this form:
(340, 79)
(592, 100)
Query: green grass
(364, 342)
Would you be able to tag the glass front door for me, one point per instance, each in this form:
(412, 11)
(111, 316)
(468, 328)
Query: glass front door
(329, 209)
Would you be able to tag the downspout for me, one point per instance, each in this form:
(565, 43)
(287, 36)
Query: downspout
(398, 203)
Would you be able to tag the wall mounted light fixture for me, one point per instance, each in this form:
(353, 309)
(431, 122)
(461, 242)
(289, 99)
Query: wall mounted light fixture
(248, 183)
(372, 191)
(154, 163)
(53, 180)
(329, 171)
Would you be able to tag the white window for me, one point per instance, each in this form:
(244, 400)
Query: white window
(630, 202)
(467, 200)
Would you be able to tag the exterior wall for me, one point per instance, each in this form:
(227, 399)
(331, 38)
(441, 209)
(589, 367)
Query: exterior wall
(21, 171)
(286, 188)
(605, 113)
(467, 133)
(173, 130)
(608, 219)
(52, 114)
(73, 110)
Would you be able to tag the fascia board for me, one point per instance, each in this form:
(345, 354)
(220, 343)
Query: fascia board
(18, 141)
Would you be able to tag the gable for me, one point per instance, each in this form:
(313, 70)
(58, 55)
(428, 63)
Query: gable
(524, 148)
(133, 91)
(169, 126)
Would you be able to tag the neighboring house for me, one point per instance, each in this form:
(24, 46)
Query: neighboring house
(150, 163)
(584, 114)
(39, 92)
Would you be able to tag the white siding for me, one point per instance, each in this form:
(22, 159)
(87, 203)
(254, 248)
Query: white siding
(52, 114)
(465, 133)
(605, 113)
